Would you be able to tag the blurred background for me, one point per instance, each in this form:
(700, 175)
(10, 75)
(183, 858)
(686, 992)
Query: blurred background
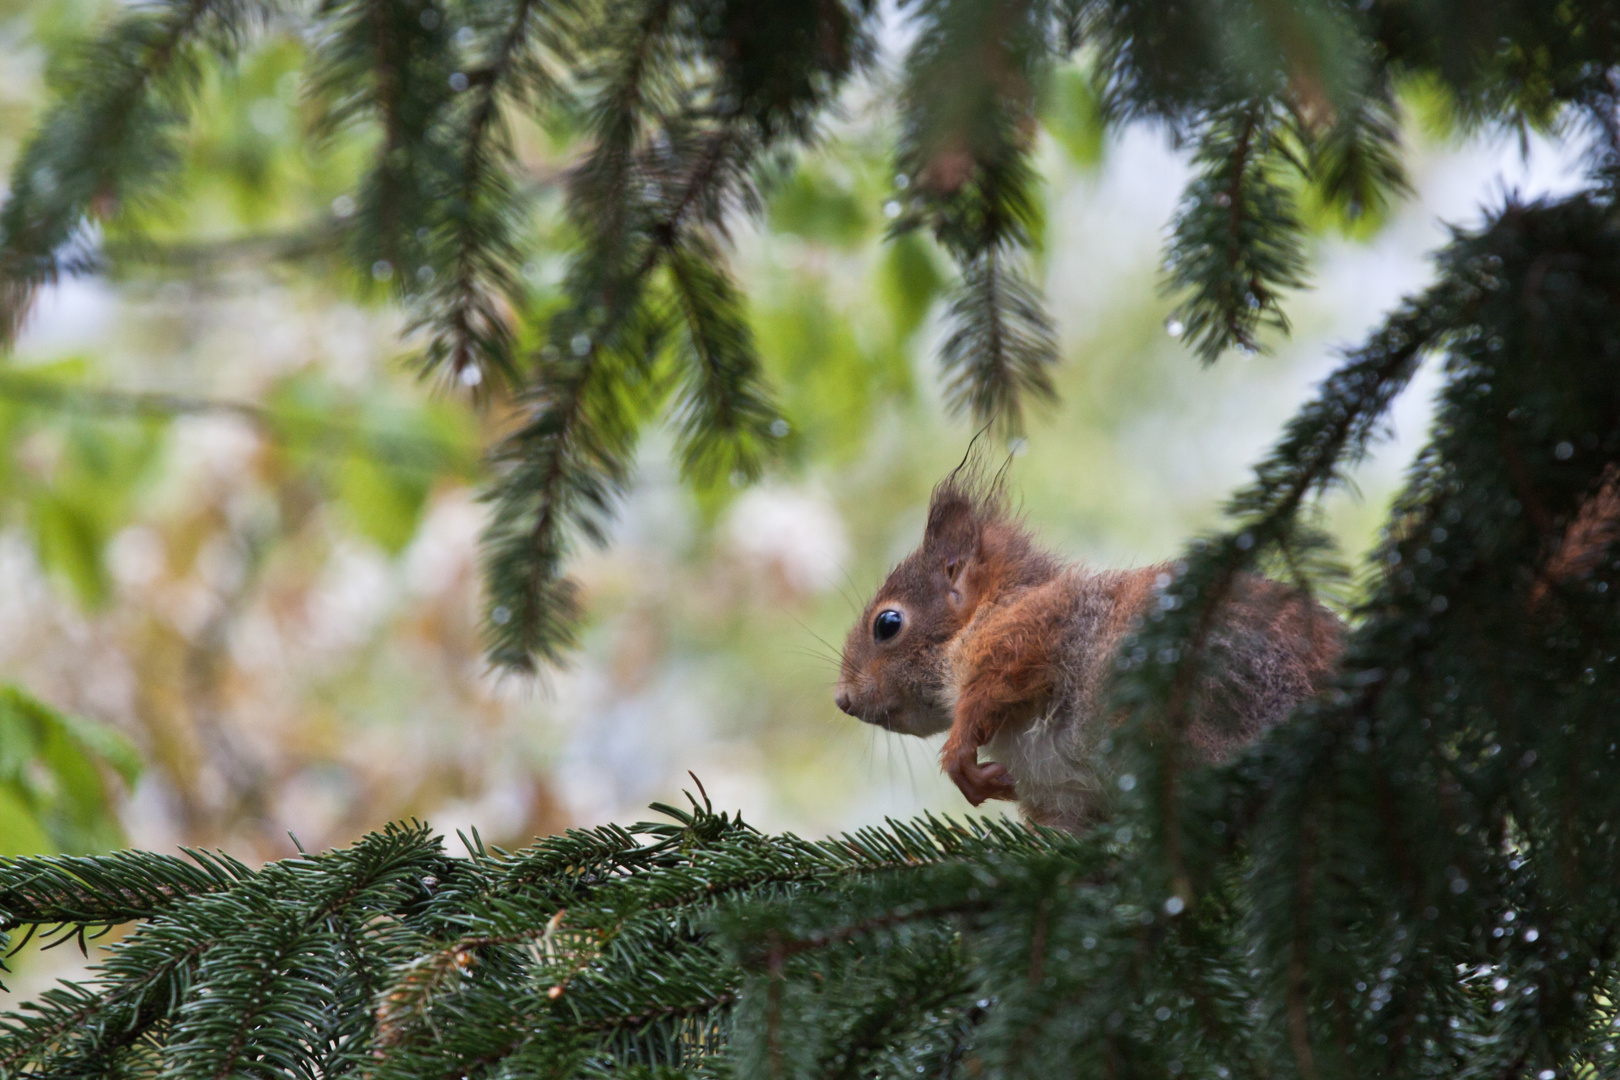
(238, 536)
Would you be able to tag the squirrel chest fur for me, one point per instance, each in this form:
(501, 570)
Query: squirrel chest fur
(982, 634)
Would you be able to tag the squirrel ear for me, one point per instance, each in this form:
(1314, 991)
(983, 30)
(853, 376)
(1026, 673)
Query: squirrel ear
(952, 537)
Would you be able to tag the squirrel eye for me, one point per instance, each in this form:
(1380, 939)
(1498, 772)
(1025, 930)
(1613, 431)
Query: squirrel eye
(887, 624)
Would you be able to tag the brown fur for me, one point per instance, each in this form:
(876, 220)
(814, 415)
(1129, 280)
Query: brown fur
(1586, 540)
(1006, 647)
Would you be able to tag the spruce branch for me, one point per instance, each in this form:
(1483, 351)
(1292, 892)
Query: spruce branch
(107, 889)
(968, 120)
(73, 1023)
(280, 954)
(1002, 345)
(109, 139)
(656, 192)
(1327, 437)
(1236, 241)
(724, 417)
(381, 62)
(1356, 163)
(475, 253)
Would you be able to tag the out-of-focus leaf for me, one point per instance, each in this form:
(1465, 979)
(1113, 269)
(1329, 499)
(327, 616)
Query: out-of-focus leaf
(1072, 114)
(20, 830)
(89, 739)
(815, 206)
(68, 545)
(54, 772)
(379, 458)
(85, 495)
(911, 281)
(832, 378)
(384, 504)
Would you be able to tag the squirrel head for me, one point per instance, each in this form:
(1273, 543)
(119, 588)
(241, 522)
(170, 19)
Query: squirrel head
(893, 671)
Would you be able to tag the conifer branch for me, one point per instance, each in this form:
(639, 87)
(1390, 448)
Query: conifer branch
(1236, 239)
(1327, 437)
(646, 202)
(380, 61)
(1356, 164)
(107, 889)
(725, 416)
(108, 139)
(476, 293)
(1002, 346)
(968, 116)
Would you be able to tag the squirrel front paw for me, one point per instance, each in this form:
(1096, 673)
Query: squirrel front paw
(979, 782)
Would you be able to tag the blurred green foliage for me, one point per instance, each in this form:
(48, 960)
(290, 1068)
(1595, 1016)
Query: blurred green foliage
(57, 773)
(72, 480)
(1072, 114)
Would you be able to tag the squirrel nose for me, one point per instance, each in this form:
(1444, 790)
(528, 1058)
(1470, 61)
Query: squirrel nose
(842, 700)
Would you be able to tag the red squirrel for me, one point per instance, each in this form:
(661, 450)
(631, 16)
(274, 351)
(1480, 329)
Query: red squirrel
(982, 633)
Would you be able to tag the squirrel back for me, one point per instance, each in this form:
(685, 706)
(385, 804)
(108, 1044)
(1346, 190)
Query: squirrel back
(982, 633)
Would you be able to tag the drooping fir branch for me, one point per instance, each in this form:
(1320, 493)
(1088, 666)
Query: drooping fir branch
(1356, 162)
(681, 142)
(1236, 243)
(563, 469)
(1439, 748)
(725, 418)
(968, 126)
(1002, 343)
(567, 465)
(1481, 707)
(471, 302)
(389, 63)
(110, 139)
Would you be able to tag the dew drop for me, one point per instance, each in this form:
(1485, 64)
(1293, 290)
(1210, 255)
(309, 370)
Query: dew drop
(1174, 327)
